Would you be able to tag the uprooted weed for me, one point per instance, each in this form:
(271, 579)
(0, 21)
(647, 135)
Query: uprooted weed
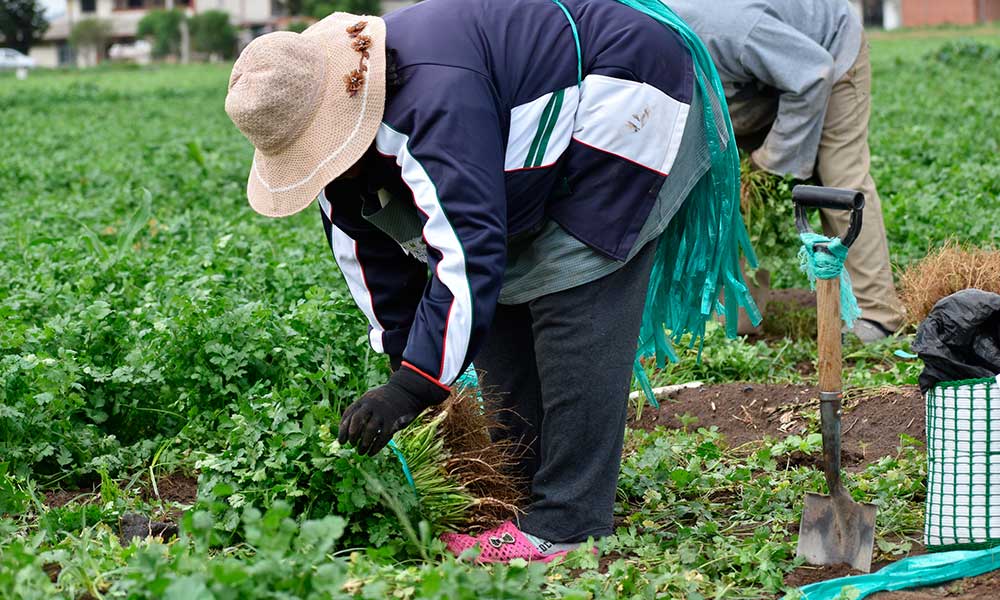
(949, 269)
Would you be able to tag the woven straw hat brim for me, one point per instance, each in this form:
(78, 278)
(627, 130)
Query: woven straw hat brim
(283, 183)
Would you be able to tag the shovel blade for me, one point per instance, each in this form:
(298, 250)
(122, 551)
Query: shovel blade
(835, 530)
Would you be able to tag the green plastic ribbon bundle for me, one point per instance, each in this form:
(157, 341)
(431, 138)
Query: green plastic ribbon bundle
(698, 256)
(829, 264)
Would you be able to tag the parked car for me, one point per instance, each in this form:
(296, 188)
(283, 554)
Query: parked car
(138, 52)
(12, 59)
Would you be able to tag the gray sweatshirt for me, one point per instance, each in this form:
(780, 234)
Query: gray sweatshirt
(778, 60)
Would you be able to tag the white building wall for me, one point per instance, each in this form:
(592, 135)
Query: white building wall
(105, 9)
(892, 15)
(241, 12)
(45, 55)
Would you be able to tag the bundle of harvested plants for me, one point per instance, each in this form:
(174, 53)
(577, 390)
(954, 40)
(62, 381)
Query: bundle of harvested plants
(768, 213)
(463, 479)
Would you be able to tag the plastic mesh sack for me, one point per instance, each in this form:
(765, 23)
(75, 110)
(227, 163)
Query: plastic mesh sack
(963, 465)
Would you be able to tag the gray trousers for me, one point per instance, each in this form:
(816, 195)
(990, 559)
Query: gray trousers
(558, 368)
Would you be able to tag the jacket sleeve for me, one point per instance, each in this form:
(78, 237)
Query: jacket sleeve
(444, 131)
(386, 283)
(802, 71)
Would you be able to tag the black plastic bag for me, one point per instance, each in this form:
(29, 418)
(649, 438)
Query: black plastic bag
(960, 338)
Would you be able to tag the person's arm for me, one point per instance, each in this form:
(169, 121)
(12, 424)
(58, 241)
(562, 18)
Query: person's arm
(802, 71)
(452, 159)
(384, 281)
(449, 146)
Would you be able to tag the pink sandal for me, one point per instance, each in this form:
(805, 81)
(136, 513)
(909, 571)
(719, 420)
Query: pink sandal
(503, 544)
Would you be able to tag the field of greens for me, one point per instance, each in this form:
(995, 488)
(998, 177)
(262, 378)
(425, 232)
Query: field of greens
(154, 332)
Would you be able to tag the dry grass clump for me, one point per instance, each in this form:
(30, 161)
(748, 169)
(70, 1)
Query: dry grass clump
(945, 271)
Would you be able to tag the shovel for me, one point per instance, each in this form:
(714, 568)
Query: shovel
(835, 529)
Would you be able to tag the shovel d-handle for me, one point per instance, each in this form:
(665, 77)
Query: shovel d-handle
(811, 196)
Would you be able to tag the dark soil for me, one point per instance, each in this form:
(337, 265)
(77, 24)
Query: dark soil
(984, 587)
(745, 413)
(873, 420)
(134, 525)
(795, 297)
(173, 488)
(58, 498)
(178, 488)
(808, 574)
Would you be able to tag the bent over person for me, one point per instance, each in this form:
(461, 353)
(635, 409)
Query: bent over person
(798, 83)
(492, 176)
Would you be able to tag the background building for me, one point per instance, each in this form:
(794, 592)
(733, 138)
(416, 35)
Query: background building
(958, 12)
(891, 14)
(124, 17)
(251, 17)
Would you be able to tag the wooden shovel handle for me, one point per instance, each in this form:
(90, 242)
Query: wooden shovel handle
(830, 383)
(828, 337)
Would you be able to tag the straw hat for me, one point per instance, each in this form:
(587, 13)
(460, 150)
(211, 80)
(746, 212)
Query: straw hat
(311, 104)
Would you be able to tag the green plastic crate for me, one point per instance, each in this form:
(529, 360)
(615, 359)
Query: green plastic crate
(963, 465)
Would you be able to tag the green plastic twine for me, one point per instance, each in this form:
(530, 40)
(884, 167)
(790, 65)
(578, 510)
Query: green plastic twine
(828, 264)
(402, 461)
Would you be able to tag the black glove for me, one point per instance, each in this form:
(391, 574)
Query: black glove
(370, 422)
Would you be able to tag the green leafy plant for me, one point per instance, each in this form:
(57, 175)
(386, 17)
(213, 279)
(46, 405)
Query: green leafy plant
(768, 213)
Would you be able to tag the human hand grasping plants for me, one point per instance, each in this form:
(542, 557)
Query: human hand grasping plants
(369, 423)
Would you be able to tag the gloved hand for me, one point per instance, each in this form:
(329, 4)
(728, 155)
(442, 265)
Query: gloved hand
(370, 422)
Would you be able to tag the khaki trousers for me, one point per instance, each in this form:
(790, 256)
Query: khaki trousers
(844, 161)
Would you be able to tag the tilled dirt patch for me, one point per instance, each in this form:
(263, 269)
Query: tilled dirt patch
(872, 424)
(747, 412)
(172, 489)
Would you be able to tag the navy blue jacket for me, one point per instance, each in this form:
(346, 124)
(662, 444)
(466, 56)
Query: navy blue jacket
(490, 131)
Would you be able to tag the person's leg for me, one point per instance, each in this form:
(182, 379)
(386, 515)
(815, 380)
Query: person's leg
(844, 161)
(585, 343)
(509, 380)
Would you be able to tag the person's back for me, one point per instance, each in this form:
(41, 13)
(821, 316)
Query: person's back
(797, 79)
(501, 65)
(726, 25)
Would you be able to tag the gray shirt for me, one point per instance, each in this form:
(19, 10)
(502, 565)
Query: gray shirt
(778, 60)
